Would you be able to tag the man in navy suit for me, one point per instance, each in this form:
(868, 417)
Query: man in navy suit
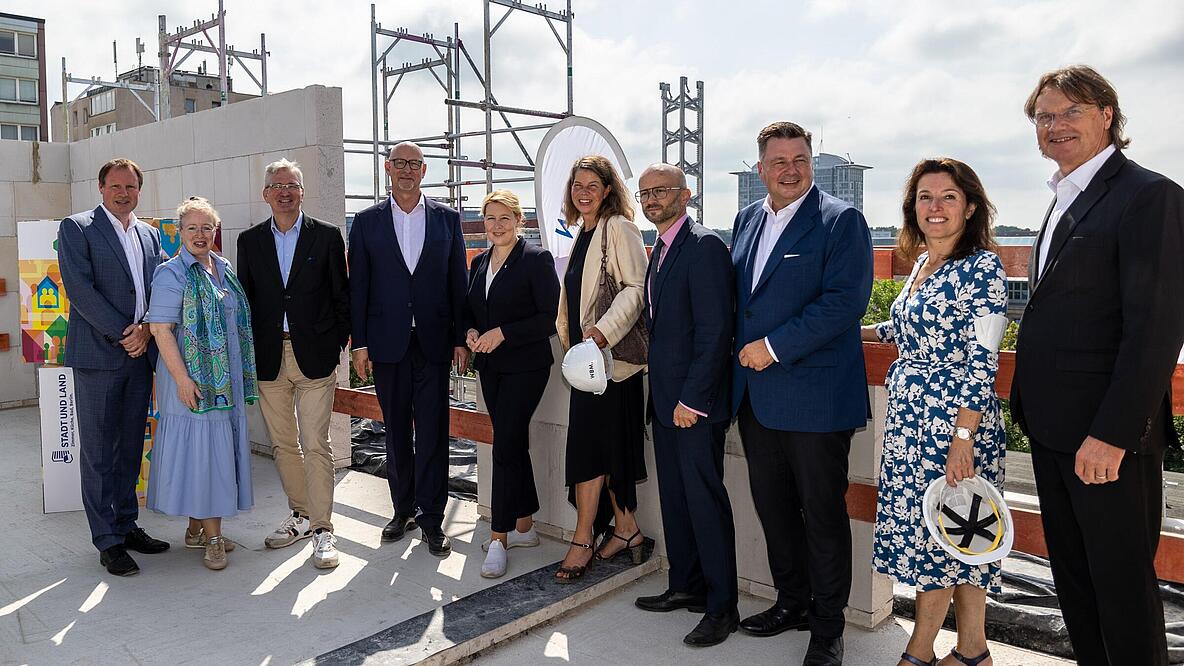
(803, 264)
(688, 309)
(407, 288)
(107, 258)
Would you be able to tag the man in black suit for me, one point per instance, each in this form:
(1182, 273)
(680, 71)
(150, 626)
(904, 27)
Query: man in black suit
(407, 292)
(1094, 359)
(688, 309)
(292, 269)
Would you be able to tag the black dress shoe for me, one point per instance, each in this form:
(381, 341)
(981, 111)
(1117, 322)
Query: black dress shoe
(824, 652)
(118, 562)
(139, 541)
(774, 621)
(713, 629)
(670, 600)
(438, 542)
(398, 526)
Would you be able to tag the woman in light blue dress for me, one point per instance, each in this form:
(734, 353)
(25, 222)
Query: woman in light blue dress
(201, 466)
(943, 417)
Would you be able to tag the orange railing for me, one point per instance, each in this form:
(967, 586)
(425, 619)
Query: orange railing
(861, 497)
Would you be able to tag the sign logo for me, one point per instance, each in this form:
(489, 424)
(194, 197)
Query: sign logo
(61, 457)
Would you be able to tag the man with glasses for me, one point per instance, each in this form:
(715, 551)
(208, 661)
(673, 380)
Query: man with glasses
(407, 290)
(292, 268)
(1094, 360)
(688, 310)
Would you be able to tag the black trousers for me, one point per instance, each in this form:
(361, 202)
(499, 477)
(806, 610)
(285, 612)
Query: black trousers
(415, 390)
(1101, 544)
(696, 513)
(112, 413)
(511, 399)
(799, 487)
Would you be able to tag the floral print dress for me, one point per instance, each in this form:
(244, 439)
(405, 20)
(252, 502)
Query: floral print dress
(947, 335)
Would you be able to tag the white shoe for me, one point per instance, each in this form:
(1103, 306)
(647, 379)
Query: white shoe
(324, 550)
(495, 561)
(294, 528)
(516, 539)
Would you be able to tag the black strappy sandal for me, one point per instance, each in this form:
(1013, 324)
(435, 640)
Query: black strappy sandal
(967, 660)
(570, 574)
(905, 656)
(634, 551)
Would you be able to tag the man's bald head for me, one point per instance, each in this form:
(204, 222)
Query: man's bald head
(671, 175)
(663, 194)
(406, 167)
(405, 150)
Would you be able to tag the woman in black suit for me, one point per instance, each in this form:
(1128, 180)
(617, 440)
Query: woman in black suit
(510, 312)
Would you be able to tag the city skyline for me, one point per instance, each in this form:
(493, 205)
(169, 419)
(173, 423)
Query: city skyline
(887, 84)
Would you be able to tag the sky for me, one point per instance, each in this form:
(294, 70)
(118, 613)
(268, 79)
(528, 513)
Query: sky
(887, 83)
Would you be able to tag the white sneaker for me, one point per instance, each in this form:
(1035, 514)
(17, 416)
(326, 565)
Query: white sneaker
(324, 550)
(294, 528)
(495, 561)
(516, 539)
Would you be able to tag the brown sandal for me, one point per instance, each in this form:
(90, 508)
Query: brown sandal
(569, 574)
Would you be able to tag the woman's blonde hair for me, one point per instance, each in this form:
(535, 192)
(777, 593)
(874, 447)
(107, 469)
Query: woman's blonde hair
(198, 205)
(505, 198)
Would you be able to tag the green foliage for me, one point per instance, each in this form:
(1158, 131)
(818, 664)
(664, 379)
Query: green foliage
(1016, 439)
(880, 305)
(1009, 336)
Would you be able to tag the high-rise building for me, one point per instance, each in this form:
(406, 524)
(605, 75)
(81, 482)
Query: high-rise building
(835, 175)
(104, 109)
(22, 78)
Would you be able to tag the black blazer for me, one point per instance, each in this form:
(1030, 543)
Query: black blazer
(1099, 338)
(385, 295)
(523, 301)
(316, 298)
(690, 325)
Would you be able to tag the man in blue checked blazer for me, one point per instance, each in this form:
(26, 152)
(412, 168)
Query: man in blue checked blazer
(107, 258)
(803, 262)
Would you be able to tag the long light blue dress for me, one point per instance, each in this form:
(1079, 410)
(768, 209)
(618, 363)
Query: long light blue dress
(943, 364)
(201, 463)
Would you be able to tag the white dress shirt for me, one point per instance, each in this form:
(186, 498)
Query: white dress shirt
(489, 275)
(409, 229)
(775, 224)
(1067, 188)
(130, 240)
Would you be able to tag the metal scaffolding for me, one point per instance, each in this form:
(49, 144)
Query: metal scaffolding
(682, 103)
(446, 67)
(172, 45)
(94, 81)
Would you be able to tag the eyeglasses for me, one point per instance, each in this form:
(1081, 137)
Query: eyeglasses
(205, 230)
(658, 193)
(400, 163)
(1045, 119)
(285, 187)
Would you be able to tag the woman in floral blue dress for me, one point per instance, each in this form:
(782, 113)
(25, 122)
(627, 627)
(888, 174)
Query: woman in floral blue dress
(943, 417)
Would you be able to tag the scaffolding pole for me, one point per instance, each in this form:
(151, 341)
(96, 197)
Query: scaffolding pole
(684, 135)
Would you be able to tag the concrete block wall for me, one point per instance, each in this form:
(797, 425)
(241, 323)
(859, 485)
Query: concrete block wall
(34, 185)
(871, 594)
(219, 154)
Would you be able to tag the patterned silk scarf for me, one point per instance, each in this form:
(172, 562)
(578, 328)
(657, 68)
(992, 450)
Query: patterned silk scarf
(204, 340)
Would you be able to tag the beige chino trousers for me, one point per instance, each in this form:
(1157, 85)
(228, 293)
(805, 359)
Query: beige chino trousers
(297, 410)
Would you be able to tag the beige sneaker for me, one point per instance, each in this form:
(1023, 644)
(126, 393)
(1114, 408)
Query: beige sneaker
(199, 540)
(215, 557)
(294, 528)
(324, 549)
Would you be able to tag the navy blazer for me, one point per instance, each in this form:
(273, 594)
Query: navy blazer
(385, 295)
(690, 325)
(98, 282)
(808, 301)
(523, 300)
(1100, 335)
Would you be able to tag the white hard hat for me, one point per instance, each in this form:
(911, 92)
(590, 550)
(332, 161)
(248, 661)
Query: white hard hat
(588, 368)
(971, 522)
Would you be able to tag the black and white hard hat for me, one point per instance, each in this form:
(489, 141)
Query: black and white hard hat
(587, 367)
(971, 522)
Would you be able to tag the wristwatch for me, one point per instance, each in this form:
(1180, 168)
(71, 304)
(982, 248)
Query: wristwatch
(962, 433)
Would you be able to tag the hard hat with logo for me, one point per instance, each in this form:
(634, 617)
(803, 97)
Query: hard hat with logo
(971, 522)
(588, 368)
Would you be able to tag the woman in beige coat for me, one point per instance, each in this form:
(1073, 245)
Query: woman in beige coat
(605, 432)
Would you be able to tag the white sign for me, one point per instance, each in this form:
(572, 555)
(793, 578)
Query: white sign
(567, 141)
(61, 477)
